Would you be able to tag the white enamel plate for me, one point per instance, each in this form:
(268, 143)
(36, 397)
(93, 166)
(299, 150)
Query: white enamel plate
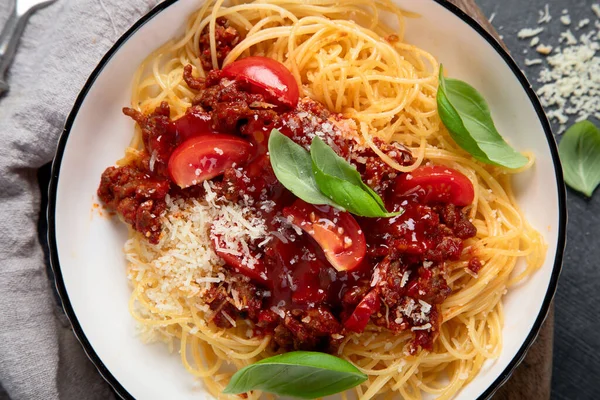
(86, 249)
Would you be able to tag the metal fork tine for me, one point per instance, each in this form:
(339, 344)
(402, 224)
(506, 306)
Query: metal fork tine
(11, 33)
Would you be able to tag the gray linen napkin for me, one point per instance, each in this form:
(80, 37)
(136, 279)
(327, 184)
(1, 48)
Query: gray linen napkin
(39, 355)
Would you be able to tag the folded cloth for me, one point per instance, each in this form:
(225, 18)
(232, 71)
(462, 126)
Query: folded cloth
(39, 355)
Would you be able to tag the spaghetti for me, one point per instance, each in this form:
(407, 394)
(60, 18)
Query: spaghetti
(343, 57)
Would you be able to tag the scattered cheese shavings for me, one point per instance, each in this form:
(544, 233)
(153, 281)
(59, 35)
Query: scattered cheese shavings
(570, 89)
(583, 23)
(543, 49)
(545, 16)
(535, 61)
(492, 17)
(568, 38)
(421, 328)
(529, 32)
(572, 82)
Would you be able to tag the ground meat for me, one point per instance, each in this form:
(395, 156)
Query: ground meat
(456, 218)
(475, 265)
(136, 196)
(448, 248)
(430, 285)
(392, 285)
(232, 106)
(158, 134)
(424, 339)
(246, 303)
(306, 330)
(375, 172)
(190, 80)
(221, 303)
(226, 38)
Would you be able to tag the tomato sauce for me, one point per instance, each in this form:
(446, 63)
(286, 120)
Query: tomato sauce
(299, 290)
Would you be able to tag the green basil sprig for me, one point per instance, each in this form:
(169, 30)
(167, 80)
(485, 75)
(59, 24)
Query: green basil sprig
(467, 116)
(302, 374)
(323, 177)
(579, 151)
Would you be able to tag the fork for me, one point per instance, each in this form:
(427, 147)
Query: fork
(11, 33)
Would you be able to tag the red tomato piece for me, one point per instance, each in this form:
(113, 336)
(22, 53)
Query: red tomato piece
(192, 124)
(257, 272)
(369, 305)
(204, 157)
(437, 184)
(267, 77)
(338, 233)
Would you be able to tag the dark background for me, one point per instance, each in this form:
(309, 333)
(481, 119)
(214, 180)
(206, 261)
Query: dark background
(576, 364)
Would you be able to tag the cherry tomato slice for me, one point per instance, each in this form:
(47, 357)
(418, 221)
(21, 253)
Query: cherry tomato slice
(369, 305)
(257, 272)
(204, 157)
(267, 77)
(437, 184)
(193, 123)
(338, 233)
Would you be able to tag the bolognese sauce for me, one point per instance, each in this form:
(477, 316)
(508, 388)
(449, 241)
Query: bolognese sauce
(322, 273)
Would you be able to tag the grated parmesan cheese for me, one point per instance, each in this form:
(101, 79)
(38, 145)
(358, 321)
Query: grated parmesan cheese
(545, 16)
(421, 328)
(543, 49)
(583, 23)
(404, 278)
(571, 80)
(526, 33)
(568, 37)
(184, 263)
(535, 61)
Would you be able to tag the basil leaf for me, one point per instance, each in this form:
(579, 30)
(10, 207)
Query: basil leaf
(331, 164)
(353, 198)
(293, 168)
(579, 151)
(467, 116)
(341, 182)
(302, 374)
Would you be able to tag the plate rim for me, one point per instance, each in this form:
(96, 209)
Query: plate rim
(510, 62)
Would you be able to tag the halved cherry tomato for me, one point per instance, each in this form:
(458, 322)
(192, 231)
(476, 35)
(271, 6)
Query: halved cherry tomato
(192, 124)
(437, 184)
(267, 77)
(338, 233)
(257, 272)
(369, 305)
(204, 157)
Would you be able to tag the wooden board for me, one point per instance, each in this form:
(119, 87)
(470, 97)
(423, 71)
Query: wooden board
(532, 379)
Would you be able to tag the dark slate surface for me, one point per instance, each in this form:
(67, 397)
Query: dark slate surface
(576, 370)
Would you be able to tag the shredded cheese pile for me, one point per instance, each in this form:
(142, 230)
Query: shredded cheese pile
(570, 74)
